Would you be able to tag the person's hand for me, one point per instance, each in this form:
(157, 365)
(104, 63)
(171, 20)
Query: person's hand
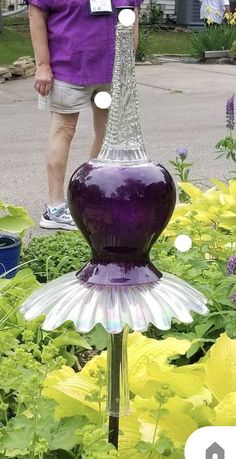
(43, 80)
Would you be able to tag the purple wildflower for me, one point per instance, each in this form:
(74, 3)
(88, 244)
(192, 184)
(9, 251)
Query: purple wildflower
(231, 265)
(233, 298)
(182, 152)
(230, 123)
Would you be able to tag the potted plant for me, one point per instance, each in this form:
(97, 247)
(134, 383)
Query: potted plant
(14, 221)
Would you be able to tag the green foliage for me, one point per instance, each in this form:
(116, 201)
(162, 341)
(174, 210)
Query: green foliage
(12, 293)
(14, 331)
(155, 14)
(28, 428)
(204, 266)
(36, 433)
(51, 411)
(57, 254)
(152, 15)
(168, 402)
(14, 219)
(210, 277)
(98, 337)
(232, 50)
(227, 147)
(182, 169)
(212, 38)
(143, 43)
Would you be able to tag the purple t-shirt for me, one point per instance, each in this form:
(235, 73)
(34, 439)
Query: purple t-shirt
(82, 46)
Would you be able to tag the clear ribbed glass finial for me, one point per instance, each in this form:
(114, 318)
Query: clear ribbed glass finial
(123, 139)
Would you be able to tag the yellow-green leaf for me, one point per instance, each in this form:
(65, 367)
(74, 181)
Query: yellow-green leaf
(221, 367)
(190, 189)
(70, 391)
(178, 427)
(185, 385)
(142, 349)
(129, 437)
(221, 185)
(225, 411)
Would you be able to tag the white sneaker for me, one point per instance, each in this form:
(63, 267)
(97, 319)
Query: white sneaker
(61, 219)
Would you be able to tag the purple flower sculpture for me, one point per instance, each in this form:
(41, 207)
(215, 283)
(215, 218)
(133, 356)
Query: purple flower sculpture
(121, 202)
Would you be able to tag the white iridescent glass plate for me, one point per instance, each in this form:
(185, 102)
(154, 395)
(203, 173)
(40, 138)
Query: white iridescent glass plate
(86, 305)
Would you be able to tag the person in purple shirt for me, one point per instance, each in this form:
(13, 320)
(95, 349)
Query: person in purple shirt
(74, 46)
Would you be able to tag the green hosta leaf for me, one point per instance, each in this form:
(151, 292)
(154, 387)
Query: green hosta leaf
(17, 220)
(202, 329)
(98, 337)
(71, 338)
(194, 348)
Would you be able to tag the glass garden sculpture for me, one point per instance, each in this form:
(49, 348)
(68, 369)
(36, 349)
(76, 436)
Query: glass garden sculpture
(121, 202)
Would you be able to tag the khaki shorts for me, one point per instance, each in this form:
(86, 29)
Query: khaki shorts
(70, 98)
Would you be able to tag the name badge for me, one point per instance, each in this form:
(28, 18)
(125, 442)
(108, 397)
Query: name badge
(100, 7)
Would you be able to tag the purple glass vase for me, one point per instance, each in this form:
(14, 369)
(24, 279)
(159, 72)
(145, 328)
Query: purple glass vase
(121, 210)
(121, 201)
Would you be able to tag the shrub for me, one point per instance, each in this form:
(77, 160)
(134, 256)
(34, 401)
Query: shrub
(142, 45)
(57, 254)
(152, 16)
(211, 39)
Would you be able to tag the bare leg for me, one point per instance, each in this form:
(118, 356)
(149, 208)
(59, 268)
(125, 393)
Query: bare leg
(61, 133)
(99, 124)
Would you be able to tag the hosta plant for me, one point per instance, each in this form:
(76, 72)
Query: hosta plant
(168, 402)
(214, 208)
(14, 219)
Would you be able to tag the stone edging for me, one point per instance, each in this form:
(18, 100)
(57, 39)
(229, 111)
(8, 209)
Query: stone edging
(23, 67)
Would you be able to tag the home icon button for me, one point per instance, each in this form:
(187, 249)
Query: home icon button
(215, 452)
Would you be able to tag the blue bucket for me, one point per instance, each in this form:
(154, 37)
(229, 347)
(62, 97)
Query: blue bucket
(9, 255)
